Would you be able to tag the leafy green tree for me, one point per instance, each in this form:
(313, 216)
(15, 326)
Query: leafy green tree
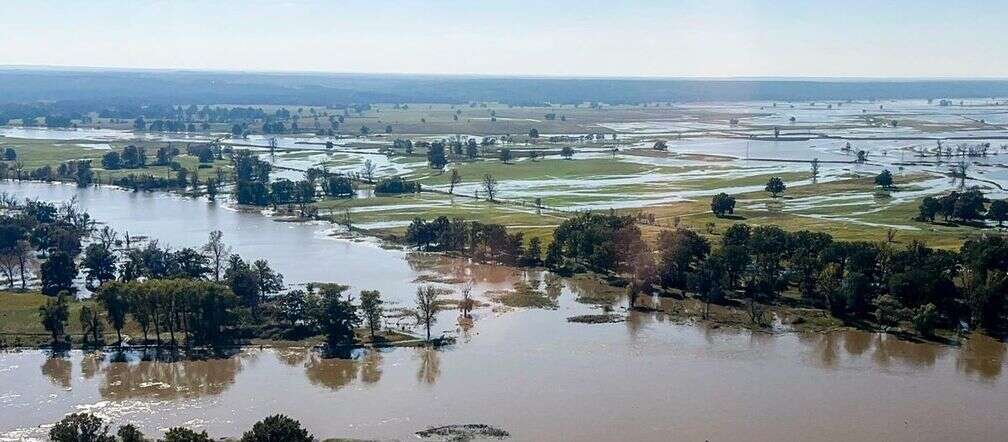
(998, 211)
(722, 204)
(179, 434)
(117, 304)
(775, 186)
(336, 316)
(10, 154)
(436, 155)
(130, 433)
(58, 273)
(505, 155)
(567, 152)
(925, 319)
(277, 428)
(929, 208)
(54, 315)
(99, 264)
(81, 427)
(884, 179)
(371, 308)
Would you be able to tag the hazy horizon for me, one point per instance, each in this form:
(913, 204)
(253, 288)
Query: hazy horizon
(642, 39)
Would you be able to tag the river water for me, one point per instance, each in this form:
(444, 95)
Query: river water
(528, 371)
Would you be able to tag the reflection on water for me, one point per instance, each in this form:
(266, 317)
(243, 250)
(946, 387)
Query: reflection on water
(528, 371)
(162, 380)
(331, 373)
(57, 369)
(429, 368)
(981, 356)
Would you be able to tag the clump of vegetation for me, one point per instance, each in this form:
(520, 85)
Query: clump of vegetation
(463, 432)
(605, 318)
(524, 295)
(395, 185)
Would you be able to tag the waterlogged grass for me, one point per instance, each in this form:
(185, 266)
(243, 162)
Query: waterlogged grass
(38, 153)
(544, 169)
(864, 219)
(391, 214)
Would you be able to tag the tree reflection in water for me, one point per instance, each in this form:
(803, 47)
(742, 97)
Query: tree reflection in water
(430, 365)
(338, 372)
(981, 355)
(57, 368)
(149, 377)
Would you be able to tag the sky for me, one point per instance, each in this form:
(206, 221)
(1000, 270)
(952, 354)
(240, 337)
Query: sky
(671, 38)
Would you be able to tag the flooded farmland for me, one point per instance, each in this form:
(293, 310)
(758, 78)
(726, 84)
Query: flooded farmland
(528, 371)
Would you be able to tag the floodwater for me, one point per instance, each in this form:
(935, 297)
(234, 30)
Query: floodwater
(528, 371)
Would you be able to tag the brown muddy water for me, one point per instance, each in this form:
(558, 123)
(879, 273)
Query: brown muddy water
(529, 372)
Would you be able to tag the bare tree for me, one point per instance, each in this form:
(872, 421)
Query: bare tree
(218, 252)
(368, 170)
(468, 303)
(490, 186)
(815, 170)
(455, 179)
(428, 305)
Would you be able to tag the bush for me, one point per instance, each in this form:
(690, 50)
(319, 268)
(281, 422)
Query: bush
(888, 310)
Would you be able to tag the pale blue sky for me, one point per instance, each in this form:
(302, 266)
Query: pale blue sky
(901, 38)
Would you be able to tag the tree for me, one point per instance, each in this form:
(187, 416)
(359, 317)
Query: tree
(130, 433)
(815, 170)
(454, 180)
(81, 427)
(775, 186)
(427, 306)
(884, 179)
(54, 315)
(490, 186)
(217, 251)
(436, 155)
(58, 273)
(567, 152)
(722, 204)
(116, 303)
(99, 264)
(368, 170)
(10, 154)
(533, 133)
(929, 208)
(505, 155)
(998, 211)
(467, 304)
(660, 145)
(277, 428)
(925, 318)
(179, 434)
(111, 161)
(336, 316)
(371, 307)
(91, 324)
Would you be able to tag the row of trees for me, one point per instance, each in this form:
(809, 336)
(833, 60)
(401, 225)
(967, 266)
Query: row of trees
(968, 206)
(86, 427)
(484, 242)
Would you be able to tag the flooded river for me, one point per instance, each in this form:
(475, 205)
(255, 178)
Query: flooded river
(529, 372)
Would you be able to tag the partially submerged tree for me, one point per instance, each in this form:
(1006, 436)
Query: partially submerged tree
(427, 306)
(371, 308)
(490, 186)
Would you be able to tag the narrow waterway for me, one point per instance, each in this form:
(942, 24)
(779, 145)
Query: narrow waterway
(529, 372)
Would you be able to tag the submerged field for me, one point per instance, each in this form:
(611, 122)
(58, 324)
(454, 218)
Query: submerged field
(711, 148)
